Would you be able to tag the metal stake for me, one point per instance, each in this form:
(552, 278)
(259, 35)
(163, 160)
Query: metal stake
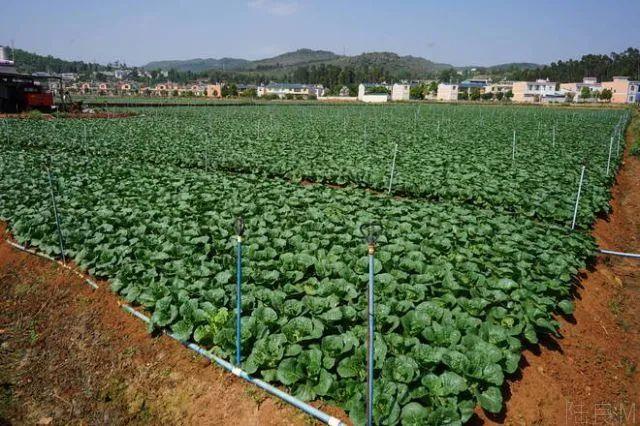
(393, 167)
(575, 210)
(370, 347)
(239, 233)
(609, 160)
(371, 233)
(57, 216)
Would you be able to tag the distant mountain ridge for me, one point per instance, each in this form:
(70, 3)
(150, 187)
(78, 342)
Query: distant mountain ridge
(304, 57)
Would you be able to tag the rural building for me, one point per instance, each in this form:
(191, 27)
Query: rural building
(368, 93)
(499, 87)
(448, 92)
(127, 88)
(400, 92)
(536, 91)
(104, 88)
(624, 91)
(121, 74)
(479, 83)
(214, 91)
(292, 89)
(576, 88)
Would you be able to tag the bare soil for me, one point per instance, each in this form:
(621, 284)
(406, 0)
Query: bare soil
(87, 115)
(70, 355)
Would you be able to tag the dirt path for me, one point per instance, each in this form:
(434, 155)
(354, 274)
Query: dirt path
(590, 376)
(69, 355)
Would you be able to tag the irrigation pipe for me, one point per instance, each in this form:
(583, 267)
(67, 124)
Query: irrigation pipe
(312, 411)
(619, 253)
(87, 281)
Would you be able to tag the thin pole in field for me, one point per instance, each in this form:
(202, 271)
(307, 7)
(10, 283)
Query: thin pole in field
(609, 159)
(365, 135)
(370, 347)
(513, 150)
(57, 216)
(554, 136)
(371, 233)
(239, 225)
(393, 167)
(575, 210)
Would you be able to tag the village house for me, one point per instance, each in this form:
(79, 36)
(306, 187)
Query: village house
(447, 92)
(372, 93)
(539, 91)
(575, 89)
(624, 91)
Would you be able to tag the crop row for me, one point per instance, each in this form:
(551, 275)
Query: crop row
(458, 288)
(444, 153)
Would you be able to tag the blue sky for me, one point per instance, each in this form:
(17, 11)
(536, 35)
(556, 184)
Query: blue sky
(457, 32)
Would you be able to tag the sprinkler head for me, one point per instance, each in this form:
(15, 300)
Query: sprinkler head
(239, 226)
(371, 232)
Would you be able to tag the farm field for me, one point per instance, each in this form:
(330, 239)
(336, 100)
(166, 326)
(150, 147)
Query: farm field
(445, 153)
(476, 255)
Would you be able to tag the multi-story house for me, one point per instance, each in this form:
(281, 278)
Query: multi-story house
(536, 91)
(623, 90)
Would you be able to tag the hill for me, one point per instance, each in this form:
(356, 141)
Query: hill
(300, 57)
(288, 62)
(199, 64)
(28, 62)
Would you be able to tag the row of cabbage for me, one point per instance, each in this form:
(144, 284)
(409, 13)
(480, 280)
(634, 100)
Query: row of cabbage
(444, 153)
(458, 287)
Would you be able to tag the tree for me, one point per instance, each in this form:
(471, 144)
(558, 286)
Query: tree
(225, 92)
(249, 93)
(433, 87)
(585, 93)
(417, 92)
(509, 94)
(447, 75)
(606, 95)
(378, 90)
(475, 94)
(499, 96)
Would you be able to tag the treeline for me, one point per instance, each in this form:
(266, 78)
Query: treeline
(604, 67)
(30, 62)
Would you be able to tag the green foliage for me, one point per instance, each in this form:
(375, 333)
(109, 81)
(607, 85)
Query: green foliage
(377, 90)
(418, 91)
(606, 95)
(585, 93)
(461, 283)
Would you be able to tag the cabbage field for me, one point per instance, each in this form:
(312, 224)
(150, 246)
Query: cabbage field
(476, 255)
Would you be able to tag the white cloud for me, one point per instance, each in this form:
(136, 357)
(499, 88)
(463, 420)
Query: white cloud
(276, 7)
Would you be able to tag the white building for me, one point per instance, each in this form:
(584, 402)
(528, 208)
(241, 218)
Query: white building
(575, 89)
(366, 95)
(448, 92)
(297, 90)
(400, 92)
(537, 91)
(499, 87)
